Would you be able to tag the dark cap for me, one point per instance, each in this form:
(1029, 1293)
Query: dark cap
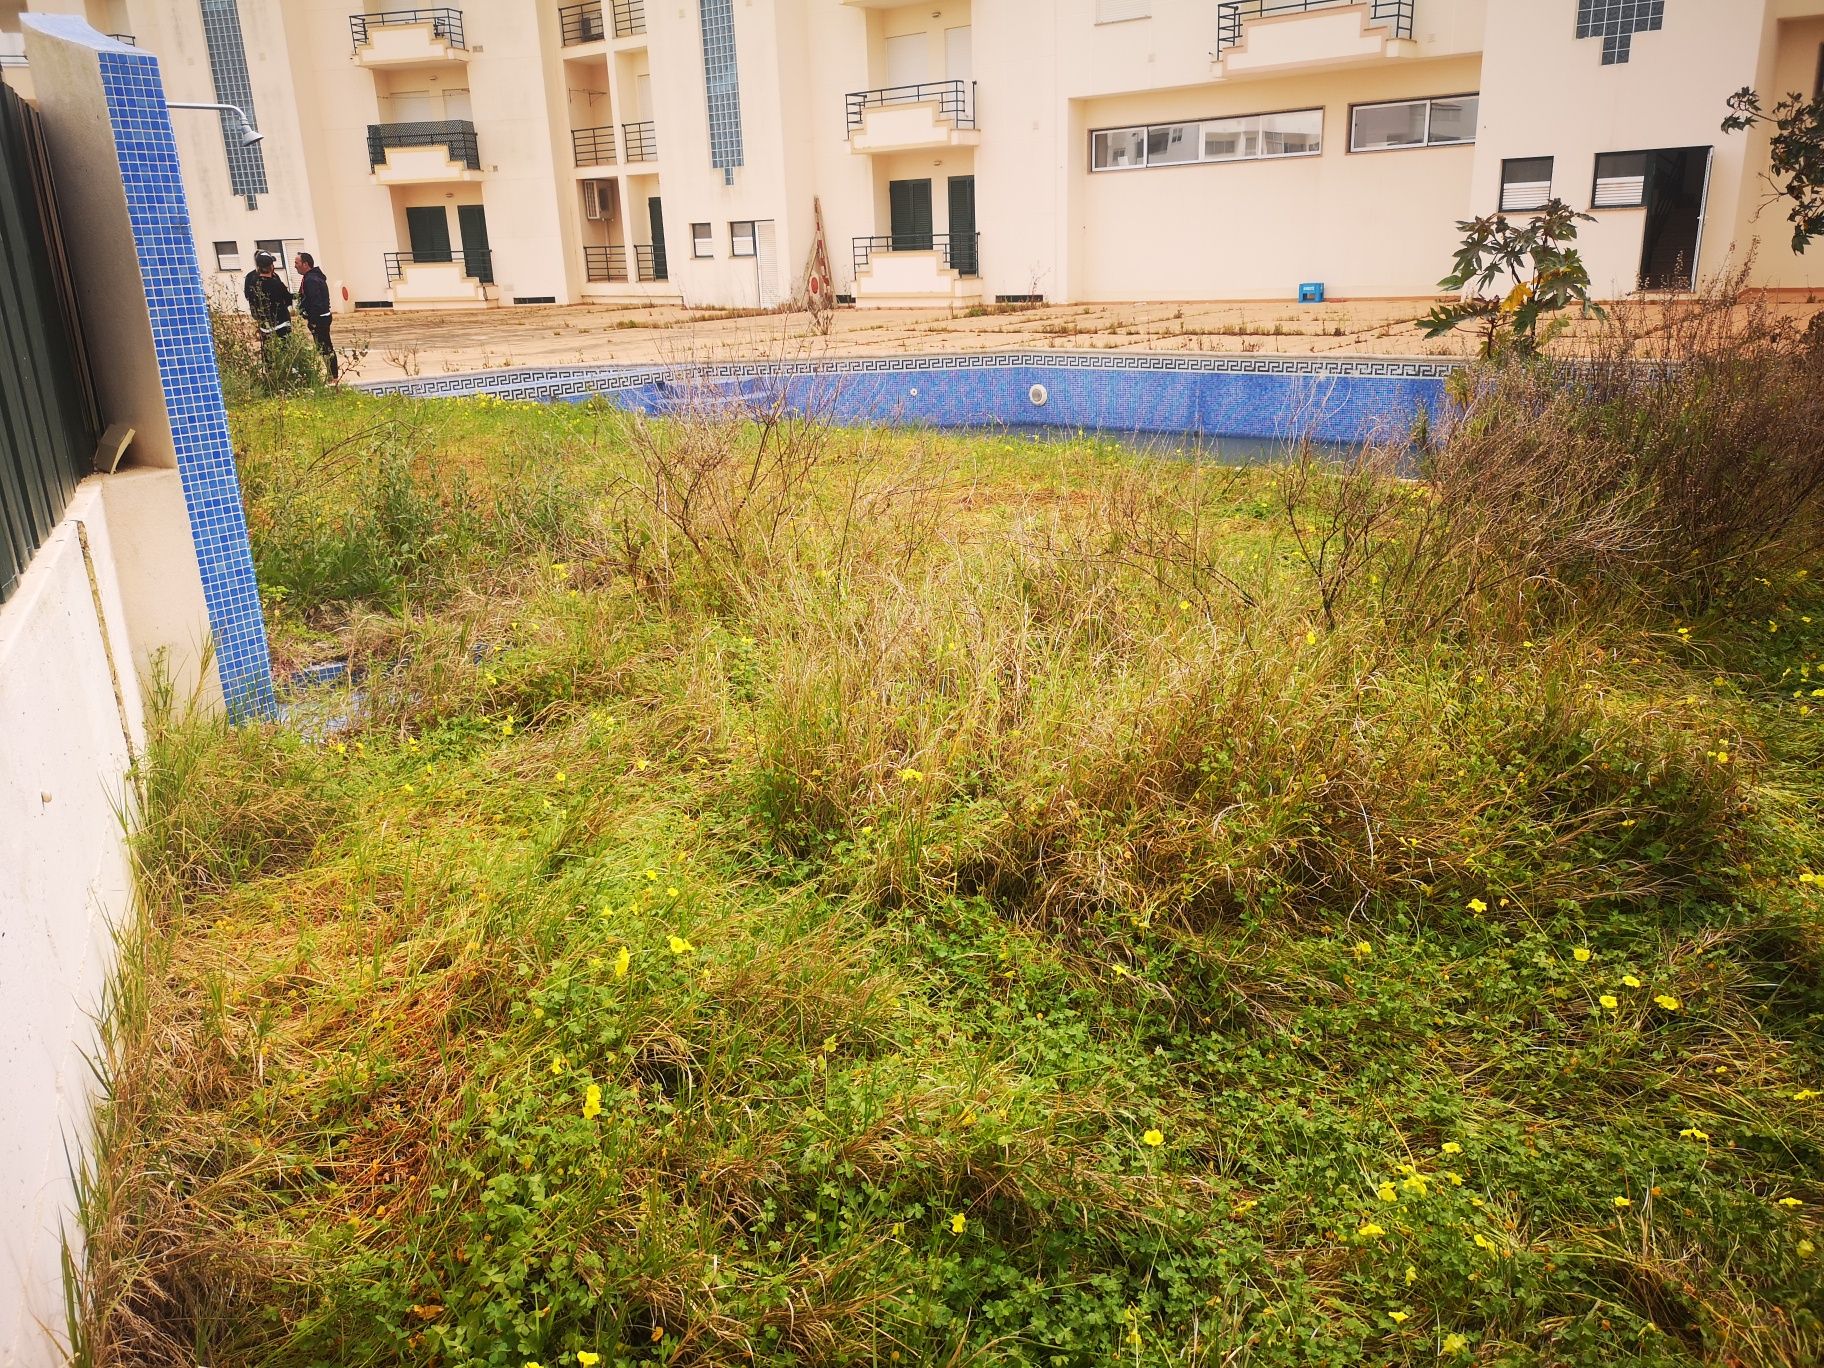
(264, 261)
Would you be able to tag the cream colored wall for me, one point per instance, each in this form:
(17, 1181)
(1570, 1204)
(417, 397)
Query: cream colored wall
(1670, 94)
(1364, 224)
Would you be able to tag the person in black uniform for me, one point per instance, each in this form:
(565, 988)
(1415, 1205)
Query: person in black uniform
(313, 303)
(268, 300)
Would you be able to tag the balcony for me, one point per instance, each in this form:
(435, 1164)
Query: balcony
(593, 146)
(649, 263)
(605, 265)
(640, 142)
(594, 21)
(918, 270)
(1274, 37)
(408, 37)
(912, 118)
(450, 280)
(424, 153)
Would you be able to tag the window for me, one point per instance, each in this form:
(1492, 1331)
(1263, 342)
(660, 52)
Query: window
(702, 241)
(1118, 149)
(741, 238)
(1246, 137)
(1526, 183)
(227, 256)
(1114, 11)
(1414, 123)
(1621, 180)
(1168, 144)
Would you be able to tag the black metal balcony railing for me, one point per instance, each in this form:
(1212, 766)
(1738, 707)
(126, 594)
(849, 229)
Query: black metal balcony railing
(955, 100)
(445, 23)
(1232, 14)
(582, 23)
(649, 263)
(962, 252)
(458, 135)
(593, 146)
(477, 266)
(640, 141)
(605, 263)
(126, 38)
(629, 18)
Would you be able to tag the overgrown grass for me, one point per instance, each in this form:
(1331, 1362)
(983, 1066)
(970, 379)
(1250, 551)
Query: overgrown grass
(799, 897)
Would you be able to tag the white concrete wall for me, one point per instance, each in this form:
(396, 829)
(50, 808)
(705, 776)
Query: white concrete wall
(1046, 74)
(65, 744)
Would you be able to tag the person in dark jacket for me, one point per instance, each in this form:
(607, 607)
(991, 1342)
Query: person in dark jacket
(313, 303)
(268, 300)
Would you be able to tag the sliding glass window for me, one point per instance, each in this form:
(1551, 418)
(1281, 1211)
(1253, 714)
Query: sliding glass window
(1440, 122)
(1246, 137)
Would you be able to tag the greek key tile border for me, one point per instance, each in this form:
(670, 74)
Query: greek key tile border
(569, 382)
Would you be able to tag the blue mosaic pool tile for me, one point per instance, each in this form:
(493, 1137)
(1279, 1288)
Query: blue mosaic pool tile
(160, 217)
(1270, 398)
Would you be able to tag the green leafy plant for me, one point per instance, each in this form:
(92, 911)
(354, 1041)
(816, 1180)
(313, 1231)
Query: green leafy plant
(1798, 155)
(1511, 275)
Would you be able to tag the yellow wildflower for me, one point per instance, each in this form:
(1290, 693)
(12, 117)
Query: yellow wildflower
(1397, 1316)
(958, 1223)
(671, 892)
(1416, 1183)
(559, 1064)
(1791, 1202)
(1455, 1344)
(592, 1102)
(1608, 1000)
(680, 946)
(1804, 1095)
(911, 776)
(622, 962)
(1692, 1133)
(1370, 1230)
(1155, 1138)
(1387, 1194)
(1412, 1275)
(1483, 1242)
(587, 1359)
(1804, 1248)
(1581, 954)
(1363, 948)
(1622, 1203)
(1629, 981)
(1310, 638)
(1477, 906)
(1450, 1147)
(658, 1333)
(643, 764)
(1667, 1001)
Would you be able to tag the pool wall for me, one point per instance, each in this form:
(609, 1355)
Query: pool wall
(1256, 397)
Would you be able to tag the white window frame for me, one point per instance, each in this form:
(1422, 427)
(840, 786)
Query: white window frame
(229, 260)
(1197, 142)
(734, 238)
(702, 243)
(1122, 11)
(1502, 204)
(1639, 202)
(1428, 141)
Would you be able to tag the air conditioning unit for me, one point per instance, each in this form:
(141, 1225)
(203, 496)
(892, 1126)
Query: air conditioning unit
(598, 200)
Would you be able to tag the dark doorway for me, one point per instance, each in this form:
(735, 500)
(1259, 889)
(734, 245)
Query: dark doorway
(909, 211)
(963, 259)
(655, 213)
(477, 256)
(428, 228)
(1677, 179)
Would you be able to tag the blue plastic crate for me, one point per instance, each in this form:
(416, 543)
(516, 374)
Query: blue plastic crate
(1311, 292)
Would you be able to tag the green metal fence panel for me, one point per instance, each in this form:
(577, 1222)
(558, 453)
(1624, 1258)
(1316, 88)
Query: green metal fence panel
(48, 417)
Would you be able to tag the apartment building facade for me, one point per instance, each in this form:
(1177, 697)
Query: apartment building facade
(506, 152)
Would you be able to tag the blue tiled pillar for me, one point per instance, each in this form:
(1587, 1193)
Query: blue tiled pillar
(162, 245)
